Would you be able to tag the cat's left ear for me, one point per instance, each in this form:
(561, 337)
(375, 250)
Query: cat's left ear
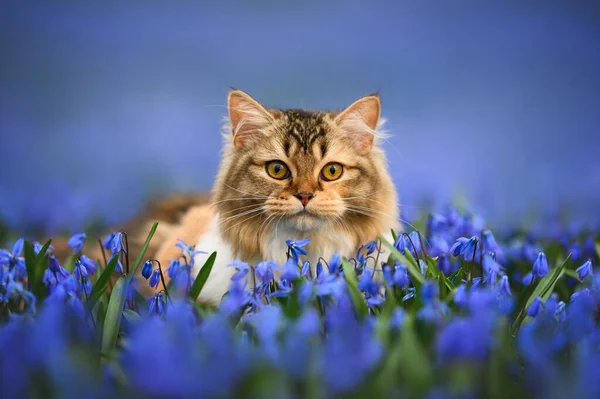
(359, 121)
(248, 118)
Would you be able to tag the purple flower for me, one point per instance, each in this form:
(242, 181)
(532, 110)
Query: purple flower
(296, 249)
(76, 242)
(585, 270)
(540, 266)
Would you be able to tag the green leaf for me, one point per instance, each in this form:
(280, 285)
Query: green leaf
(101, 284)
(140, 257)
(416, 367)
(112, 322)
(356, 296)
(572, 273)
(35, 265)
(598, 249)
(413, 268)
(131, 316)
(394, 236)
(543, 289)
(202, 276)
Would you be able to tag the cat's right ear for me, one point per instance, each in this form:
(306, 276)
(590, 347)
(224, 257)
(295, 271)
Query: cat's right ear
(248, 118)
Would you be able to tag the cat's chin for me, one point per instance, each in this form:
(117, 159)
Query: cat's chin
(305, 222)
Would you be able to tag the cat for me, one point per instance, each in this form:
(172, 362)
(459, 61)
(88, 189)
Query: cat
(284, 175)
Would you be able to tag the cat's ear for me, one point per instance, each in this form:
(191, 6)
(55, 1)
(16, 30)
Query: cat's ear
(359, 121)
(248, 118)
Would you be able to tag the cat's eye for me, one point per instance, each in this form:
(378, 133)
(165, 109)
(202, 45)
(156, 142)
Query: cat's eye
(332, 171)
(277, 170)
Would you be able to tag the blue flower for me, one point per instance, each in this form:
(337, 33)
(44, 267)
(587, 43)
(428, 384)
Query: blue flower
(504, 286)
(585, 270)
(12, 260)
(540, 266)
(242, 269)
(54, 274)
(334, 264)
(114, 242)
(264, 271)
(154, 278)
(296, 248)
(305, 269)
(491, 269)
(527, 279)
(89, 264)
(465, 248)
(460, 296)
(536, 306)
(188, 250)
(155, 304)
(76, 242)
(416, 241)
(576, 251)
(468, 338)
(290, 271)
(371, 247)
(6, 256)
(235, 299)
(147, 269)
(429, 292)
(401, 278)
(444, 265)
(402, 243)
(489, 242)
(173, 268)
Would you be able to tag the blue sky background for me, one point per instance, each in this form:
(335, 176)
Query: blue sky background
(103, 104)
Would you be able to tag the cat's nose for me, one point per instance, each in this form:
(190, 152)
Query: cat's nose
(304, 197)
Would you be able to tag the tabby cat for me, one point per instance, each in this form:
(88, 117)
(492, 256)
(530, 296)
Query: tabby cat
(284, 175)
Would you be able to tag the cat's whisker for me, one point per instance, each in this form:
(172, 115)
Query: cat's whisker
(240, 208)
(244, 221)
(243, 192)
(239, 199)
(249, 212)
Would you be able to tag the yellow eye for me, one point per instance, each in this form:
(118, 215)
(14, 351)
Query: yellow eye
(332, 171)
(277, 170)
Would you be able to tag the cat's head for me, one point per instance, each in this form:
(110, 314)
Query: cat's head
(303, 170)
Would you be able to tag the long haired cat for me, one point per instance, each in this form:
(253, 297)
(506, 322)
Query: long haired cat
(285, 174)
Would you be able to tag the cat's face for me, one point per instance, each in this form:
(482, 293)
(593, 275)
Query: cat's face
(301, 169)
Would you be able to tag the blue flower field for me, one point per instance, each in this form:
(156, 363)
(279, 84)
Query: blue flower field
(448, 310)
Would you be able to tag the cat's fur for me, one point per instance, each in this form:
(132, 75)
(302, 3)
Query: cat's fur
(252, 214)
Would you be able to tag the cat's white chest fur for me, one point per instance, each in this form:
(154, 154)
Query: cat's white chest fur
(324, 245)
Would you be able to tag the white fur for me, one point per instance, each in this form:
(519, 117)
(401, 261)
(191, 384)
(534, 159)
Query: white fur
(218, 282)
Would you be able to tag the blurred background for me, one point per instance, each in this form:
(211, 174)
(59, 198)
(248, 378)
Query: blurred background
(106, 104)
